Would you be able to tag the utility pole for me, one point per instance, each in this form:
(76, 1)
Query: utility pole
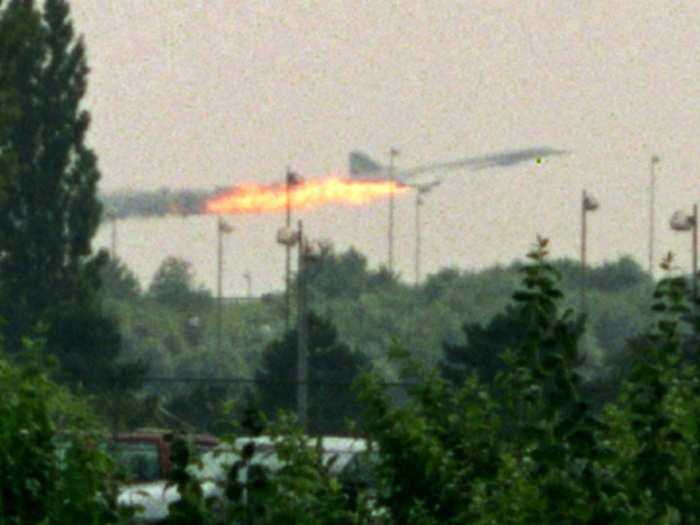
(219, 279)
(302, 336)
(421, 190)
(682, 222)
(249, 284)
(221, 229)
(695, 252)
(419, 203)
(288, 263)
(588, 203)
(393, 153)
(652, 183)
(291, 180)
(583, 253)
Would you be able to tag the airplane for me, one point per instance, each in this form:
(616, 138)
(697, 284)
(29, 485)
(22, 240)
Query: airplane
(362, 167)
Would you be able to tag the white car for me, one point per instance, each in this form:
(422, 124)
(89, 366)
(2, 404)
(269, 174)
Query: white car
(150, 499)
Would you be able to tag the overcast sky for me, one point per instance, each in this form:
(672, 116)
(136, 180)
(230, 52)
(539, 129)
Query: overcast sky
(187, 93)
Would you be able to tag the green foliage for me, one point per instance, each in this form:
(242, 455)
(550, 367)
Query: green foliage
(369, 311)
(49, 277)
(333, 367)
(483, 350)
(433, 450)
(51, 212)
(290, 483)
(202, 406)
(46, 476)
(118, 281)
(86, 342)
(660, 453)
(339, 276)
(302, 490)
(524, 447)
(535, 451)
(191, 508)
(173, 286)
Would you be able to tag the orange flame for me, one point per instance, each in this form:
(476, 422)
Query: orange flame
(255, 198)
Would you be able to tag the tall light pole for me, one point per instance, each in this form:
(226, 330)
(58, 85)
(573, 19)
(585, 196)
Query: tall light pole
(681, 222)
(588, 204)
(302, 336)
(419, 203)
(652, 183)
(393, 153)
(291, 180)
(306, 250)
(695, 251)
(421, 190)
(221, 229)
(249, 283)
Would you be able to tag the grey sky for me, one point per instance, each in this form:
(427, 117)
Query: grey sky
(200, 94)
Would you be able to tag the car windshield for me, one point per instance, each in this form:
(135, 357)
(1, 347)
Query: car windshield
(138, 460)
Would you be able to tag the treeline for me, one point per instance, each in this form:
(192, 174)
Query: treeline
(456, 320)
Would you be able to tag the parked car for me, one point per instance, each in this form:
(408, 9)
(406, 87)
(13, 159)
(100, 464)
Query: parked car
(144, 459)
(344, 457)
(144, 455)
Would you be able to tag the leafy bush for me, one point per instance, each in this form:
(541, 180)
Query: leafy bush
(49, 477)
(286, 480)
(528, 449)
(525, 448)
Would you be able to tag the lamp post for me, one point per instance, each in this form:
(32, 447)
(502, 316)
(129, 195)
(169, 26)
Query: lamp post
(291, 180)
(249, 283)
(302, 335)
(419, 203)
(588, 204)
(421, 190)
(393, 153)
(306, 250)
(222, 228)
(682, 222)
(652, 183)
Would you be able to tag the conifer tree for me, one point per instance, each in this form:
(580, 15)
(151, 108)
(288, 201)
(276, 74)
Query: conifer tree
(48, 176)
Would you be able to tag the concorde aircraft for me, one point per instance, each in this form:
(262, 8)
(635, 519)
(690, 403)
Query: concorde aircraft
(362, 167)
(192, 201)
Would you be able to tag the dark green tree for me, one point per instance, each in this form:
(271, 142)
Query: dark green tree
(483, 348)
(50, 212)
(119, 282)
(201, 406)
(438, 284)
(50, 474)
(610, 277)
(339, 276)
(173, 286)
(333, 367)
(10, 43)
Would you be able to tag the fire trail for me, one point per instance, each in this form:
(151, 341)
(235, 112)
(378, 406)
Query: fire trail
(256, 198)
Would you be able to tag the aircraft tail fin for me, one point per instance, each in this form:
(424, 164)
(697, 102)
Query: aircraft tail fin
(362, 165)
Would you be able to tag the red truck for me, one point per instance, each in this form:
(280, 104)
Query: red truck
(144, 455)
